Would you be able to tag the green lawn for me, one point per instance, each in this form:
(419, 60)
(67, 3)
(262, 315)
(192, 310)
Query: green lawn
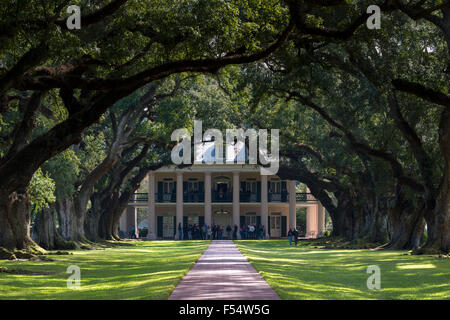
(136, 270)
(308, 273)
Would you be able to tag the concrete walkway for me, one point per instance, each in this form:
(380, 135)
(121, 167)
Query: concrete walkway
(223, 273)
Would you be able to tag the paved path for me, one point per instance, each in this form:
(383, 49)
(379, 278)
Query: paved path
(223, 273)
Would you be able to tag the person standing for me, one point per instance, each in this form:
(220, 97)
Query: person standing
(180, 231)
(228, 232)
(290, 237)
(295, 235)
(204, 231)
(235, 232)
(208, 233)
(220, 232)
(190, 232)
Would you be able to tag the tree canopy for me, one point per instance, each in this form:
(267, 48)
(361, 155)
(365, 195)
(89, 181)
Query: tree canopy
(364, 113)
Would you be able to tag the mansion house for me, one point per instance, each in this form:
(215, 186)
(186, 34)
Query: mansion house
(222, 194)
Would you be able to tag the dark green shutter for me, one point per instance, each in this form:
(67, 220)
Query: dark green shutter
(283, 226)
(159, 231)
(201, 189)
(201, 221)
(258, 221)
(283, 191)
(258, 190)
(243, 196)
(185, 221)
(175, 225)
(174, 193)
(268, 225)
(242, 220)
(160, 191)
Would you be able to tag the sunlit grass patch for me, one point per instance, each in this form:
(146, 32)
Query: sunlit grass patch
(304, 272)
(141, 270)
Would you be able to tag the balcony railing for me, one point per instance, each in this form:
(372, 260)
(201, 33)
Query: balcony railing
(217, 196)
(166, 197)
(249, 197)
(139, 197)
(278, 197)
(304, 197)
(193, 196)
(199, 197)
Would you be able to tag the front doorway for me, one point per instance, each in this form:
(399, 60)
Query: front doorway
(224, 219)
(168, 191)
(222, 189)
(275, 226)
(168, 227)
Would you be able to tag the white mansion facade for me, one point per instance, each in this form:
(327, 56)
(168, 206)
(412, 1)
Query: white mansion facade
(222, 194)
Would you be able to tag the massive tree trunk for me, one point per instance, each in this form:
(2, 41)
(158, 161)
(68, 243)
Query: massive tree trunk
(109, 204)
(91, 226)
(375, 223)
(71, 221)
(407, 227)
(439, 230)
(45, 233)
(438, 224)
(406, 222)
(342, 219)
(106, 211)
(15, 221)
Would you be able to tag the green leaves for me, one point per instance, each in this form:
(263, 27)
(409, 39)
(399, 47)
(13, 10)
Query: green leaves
(41, 190)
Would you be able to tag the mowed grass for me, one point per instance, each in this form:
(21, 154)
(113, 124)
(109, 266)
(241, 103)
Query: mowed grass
(135, 270)
(306, 272)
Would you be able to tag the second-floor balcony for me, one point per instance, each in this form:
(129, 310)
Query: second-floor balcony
(166, 197)
(220, 197)
(278, 197)
(304, 197)
(249, 197)
(193, 196)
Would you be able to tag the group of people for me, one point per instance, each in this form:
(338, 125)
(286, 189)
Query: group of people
(252, 232)
(191, 232)
(218, 232)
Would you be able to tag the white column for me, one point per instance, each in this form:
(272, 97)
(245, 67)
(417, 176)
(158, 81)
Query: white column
(179, 210)
(292, 203)
(152, 232)
(321, 219)
(264, 205)
(208, 208)
(236, 201)
(312, 214)
(134, 221)
(123, 222)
